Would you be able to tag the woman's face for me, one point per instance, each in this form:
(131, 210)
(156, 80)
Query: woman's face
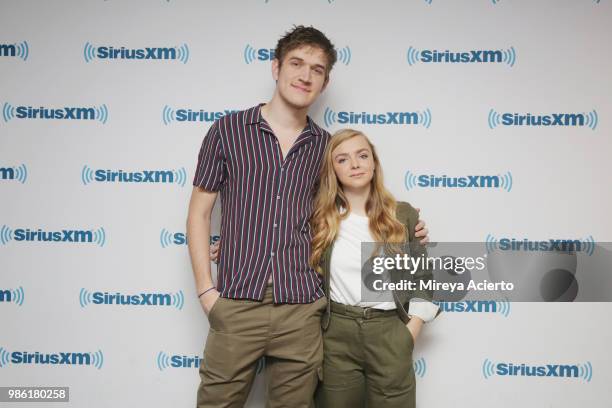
(353, 163)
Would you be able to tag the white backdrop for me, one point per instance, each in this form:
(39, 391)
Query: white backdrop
(554, 181)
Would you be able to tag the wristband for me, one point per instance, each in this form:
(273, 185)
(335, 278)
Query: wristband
(207, 290)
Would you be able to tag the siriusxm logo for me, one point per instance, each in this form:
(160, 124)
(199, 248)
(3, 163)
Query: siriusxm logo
(580, 371)
(176, 300)
(420, 367)
(251, 54)
(178, 176)
(96, 237)
(503, 182)
(586, 245)
(94, 359)
(16, 296)
(344, 55)
(165, 361)
(99, 113)
(422, 118)
(18, 50)
(19, 173)
(588, 119)
(170, 115)
(476, 306)
(177, 53)
(167, 238)
(501, 56)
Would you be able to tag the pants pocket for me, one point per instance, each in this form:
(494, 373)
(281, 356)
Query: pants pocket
(322, 304)
(408, 336)
(212, 314)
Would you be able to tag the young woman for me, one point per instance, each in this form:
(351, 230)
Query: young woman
(367, 345)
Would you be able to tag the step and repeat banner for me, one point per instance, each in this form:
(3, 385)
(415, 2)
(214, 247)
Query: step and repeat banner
(492, 116)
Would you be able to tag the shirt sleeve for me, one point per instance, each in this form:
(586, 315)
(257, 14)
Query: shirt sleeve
(423, 309)
(210, 172)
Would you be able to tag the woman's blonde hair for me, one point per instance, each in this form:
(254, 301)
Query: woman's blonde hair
(330, 198)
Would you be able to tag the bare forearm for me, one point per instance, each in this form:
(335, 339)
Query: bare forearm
(415, 325)
(198, 234)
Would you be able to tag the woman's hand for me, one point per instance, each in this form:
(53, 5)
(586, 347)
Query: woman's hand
(420, 231)
(214, 252)
(414, 326)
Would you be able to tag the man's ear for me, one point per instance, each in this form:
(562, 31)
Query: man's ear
(275, 68)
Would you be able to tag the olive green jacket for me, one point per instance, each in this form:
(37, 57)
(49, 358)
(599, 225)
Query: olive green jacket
(407, 215)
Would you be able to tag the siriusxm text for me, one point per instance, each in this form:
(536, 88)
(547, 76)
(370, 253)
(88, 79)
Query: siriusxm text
(67, 358)
(53, 236)
(145, 176)
(561, 245)
(142, 299)
(67, 113)
(388, 118)
(155, 53)
(555, 119)
(425, 180)
(473, 56)
(548, 370)
(188, 115)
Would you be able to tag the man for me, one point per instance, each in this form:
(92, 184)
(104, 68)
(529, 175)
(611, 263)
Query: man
(268, 300)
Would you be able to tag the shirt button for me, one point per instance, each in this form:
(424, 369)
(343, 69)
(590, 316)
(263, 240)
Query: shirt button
(278, 197)
(275, 225)
(272, 254)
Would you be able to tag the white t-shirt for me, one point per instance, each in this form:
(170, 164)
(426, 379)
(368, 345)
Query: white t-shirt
(345, 270)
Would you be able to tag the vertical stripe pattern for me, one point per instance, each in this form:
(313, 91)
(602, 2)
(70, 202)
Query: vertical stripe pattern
(266, 202)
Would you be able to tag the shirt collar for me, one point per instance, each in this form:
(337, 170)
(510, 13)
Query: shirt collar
(254, 117)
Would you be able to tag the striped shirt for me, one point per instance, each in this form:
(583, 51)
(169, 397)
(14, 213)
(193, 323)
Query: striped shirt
(266, 203)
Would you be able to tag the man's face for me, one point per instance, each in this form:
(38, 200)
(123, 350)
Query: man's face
(300, 78)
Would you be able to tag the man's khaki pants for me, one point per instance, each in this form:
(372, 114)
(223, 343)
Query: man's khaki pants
(241, 332)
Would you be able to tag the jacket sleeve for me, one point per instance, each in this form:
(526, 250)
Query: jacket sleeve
(410, 217)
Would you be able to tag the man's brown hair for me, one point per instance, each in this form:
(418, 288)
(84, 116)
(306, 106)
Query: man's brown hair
(300, 36)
